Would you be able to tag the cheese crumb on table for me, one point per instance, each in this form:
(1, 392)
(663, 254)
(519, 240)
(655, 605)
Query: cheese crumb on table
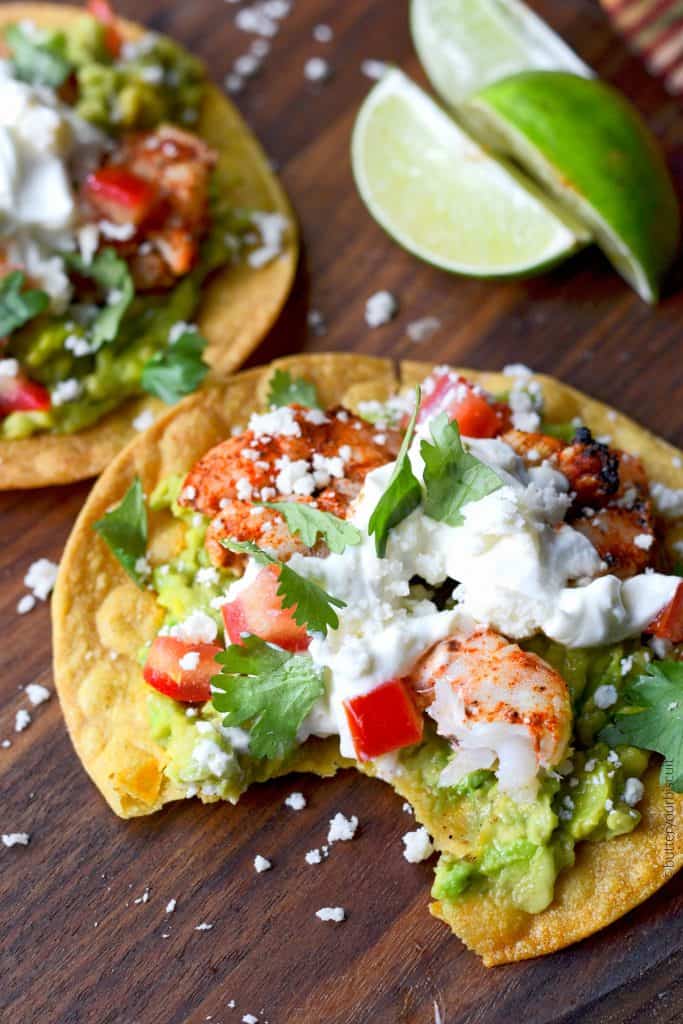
(41, 578)
(261, 863)
(418, 846)
(26, 604)
(313, 856)
(420, 330)
(322, 33)
(380, 308)
(316, 69)
(37, 694)
(296, 801)
(249, 1018)
(373, 68)
(22, 720)
(331, 914)
(342, 828)
(203, 927)
(16, 839)
(171, 905)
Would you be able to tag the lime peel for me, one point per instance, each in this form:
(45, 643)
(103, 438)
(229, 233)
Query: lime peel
(591, 150)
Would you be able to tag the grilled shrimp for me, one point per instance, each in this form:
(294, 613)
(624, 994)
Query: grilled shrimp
(325, 463)
(176, 166)
(534, 448)
(611, 505)
(496, 702)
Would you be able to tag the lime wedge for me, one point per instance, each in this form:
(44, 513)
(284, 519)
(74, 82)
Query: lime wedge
(442, 197)
(590, 149)
(465, 45)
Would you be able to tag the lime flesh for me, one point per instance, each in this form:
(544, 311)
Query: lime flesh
(590, 149)
(465, 45)
(432, 188)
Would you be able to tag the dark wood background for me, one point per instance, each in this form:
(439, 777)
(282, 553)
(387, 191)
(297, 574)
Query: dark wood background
(75, 947)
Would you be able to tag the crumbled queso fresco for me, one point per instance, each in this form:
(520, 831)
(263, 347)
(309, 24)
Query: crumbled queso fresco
(336, 914)
(296, 801)
(10, 839)
(342, 829)
(417, 846)
(380, 308)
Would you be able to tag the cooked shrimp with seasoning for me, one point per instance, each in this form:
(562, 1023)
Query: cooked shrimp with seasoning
(501, 707)
(290, 453)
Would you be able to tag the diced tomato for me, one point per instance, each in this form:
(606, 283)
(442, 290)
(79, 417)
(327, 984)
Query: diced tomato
(383, 720)
(120, 195)
(164, 672)
(101, 10)
(475, 414)
(258, 611)
(669, 623)
(19, 394)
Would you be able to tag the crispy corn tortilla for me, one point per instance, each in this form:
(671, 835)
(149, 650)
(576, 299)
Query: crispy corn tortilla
(239, 304)
(100, 620)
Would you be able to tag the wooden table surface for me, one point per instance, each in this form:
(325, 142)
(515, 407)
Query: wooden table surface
(75, 944)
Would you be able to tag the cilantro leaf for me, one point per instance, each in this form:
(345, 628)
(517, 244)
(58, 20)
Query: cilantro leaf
(403, 491)
(654, 719)
(112, 275)
(38, 58)
(124, 530)
(270, 690)
(452, 477)
(178, 370)
(311, 605)
(310, 523)
(17, 307)
(284, 390)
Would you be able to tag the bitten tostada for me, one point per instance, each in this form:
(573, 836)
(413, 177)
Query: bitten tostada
(143, 237)
(466, 584)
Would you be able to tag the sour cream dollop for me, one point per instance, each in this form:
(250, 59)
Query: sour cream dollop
(519, 569)
(45, 151)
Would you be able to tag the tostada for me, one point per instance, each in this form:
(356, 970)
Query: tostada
(466, 584)
(143, 237)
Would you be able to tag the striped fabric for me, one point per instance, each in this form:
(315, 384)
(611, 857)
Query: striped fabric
(654, 28)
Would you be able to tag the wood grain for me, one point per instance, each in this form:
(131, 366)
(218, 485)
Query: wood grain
(75, 947)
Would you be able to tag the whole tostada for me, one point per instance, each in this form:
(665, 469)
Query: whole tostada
(465, 584)
(143, 237)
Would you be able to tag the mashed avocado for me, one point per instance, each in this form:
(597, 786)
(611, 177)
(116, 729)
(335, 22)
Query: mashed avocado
(188, 582)
(155, 80)
(202, 755)
(107, 377)
(518, 850)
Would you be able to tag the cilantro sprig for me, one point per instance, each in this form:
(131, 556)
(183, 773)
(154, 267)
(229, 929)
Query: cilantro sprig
(653, 718)
(311, 605)
(269, 690)
(287, 390)
(38, 58)
(311, 523)
(17, 306)
(112, 275)
(403, 491)
(124, 529)
(178, 370)
(452, 477)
